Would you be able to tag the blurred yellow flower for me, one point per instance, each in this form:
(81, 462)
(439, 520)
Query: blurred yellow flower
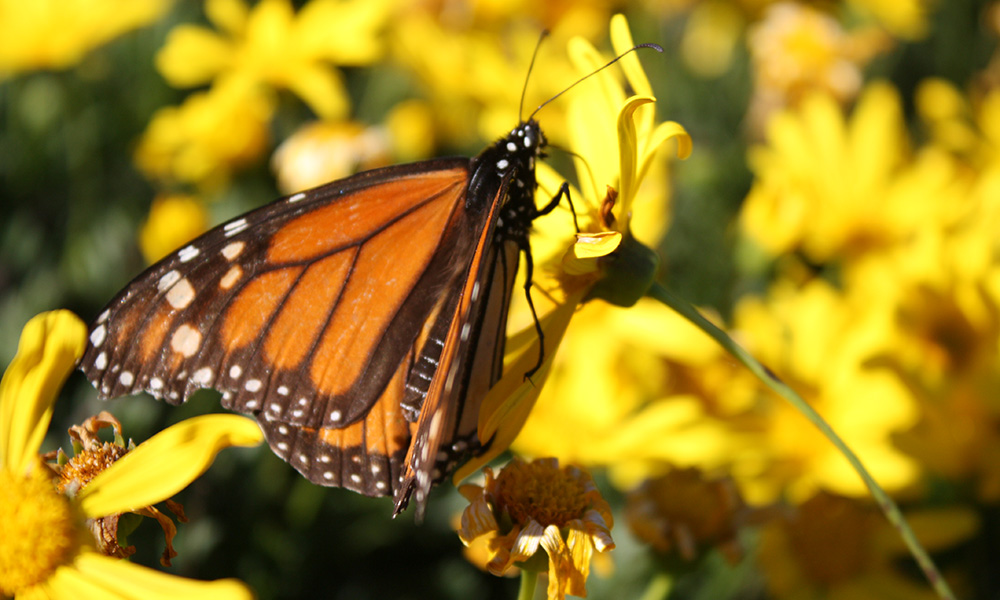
(47, 550)
(55, 34)
(906, 19)
(536, 506)
(172, 221)
(271, 44)
(207, 137)
(936, 293)
(836, 189)
(687, 513)
(324, 151)
(820, 341)
(796, 49)
(835, 548)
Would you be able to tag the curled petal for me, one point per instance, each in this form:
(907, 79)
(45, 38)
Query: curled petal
(165, 464)
(528, 540)
(582, 256)
(50, 345)
(477, 520)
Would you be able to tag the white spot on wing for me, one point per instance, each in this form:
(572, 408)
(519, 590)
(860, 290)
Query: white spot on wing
(234, 227)
(202, 375)
(283, 390)
(253, 385)
(502, 164)
(101, 361)
(97, 335)
(186, 340)
(181, 294)
(187, 253)
(235, 371)
(297, 197)
(335, 416)
(126, 378)
(104, 315)
(231, 277)
(168, 280)
(155, 383)
(232, 250)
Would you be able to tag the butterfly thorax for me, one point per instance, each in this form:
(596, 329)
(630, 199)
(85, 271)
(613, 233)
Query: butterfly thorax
(508, 167)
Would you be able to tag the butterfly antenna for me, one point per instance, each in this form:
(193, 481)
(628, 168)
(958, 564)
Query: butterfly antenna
(531, 66)
(656, 47)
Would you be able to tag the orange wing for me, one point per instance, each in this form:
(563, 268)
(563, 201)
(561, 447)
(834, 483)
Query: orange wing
(306, 313)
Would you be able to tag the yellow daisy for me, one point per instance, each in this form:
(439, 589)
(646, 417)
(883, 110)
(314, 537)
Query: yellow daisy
(536, 506)
(604, 250)
(272, 44)
(47, 549)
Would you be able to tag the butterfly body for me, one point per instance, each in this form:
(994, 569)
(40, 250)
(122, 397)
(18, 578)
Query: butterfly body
(361, 322)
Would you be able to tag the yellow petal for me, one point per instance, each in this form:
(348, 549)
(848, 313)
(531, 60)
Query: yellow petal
(50, 345)
(165, 464)
(122, 579)
(621, 41)
(628, 155)
(582, 256)
(193, 55)
(477, 520)
(323, 90)
(230, 16)
(508, 403)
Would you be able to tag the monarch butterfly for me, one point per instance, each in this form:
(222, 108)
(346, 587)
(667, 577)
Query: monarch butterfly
(361, 322)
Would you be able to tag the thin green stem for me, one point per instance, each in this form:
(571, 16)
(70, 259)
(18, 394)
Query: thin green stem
(886, 503)
(529, 579)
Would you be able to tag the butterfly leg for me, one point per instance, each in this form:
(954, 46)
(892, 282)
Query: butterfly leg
(563, 191)
(529, 267)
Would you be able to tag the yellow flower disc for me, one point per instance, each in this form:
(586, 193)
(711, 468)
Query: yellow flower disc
(37, 531)
(540, 491)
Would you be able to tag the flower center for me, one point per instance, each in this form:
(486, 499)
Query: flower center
(37, 530)
(540, 491)
(86, 465)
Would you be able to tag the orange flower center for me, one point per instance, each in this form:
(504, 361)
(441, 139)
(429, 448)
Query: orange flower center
(86, 465)
(539, 491)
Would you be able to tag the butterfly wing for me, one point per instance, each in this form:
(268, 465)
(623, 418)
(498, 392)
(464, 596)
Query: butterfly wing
(470, 359)
(303, 312)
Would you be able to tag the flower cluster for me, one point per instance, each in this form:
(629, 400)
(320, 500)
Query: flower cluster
(839, 218)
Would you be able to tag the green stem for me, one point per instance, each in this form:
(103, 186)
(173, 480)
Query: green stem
(529, 579)
(886, 503)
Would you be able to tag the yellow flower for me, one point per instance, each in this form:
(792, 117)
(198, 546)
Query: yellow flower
(834, 548)
(271, 44)
(55, 34)
(566, 277)
(906, 19)
(472, 58)
(836, 189)
(796, 49)
(821, 343)
(46, 546)
(173, 220)
(328, 150)
(536, 506)
(207, 137)
(685, 512)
